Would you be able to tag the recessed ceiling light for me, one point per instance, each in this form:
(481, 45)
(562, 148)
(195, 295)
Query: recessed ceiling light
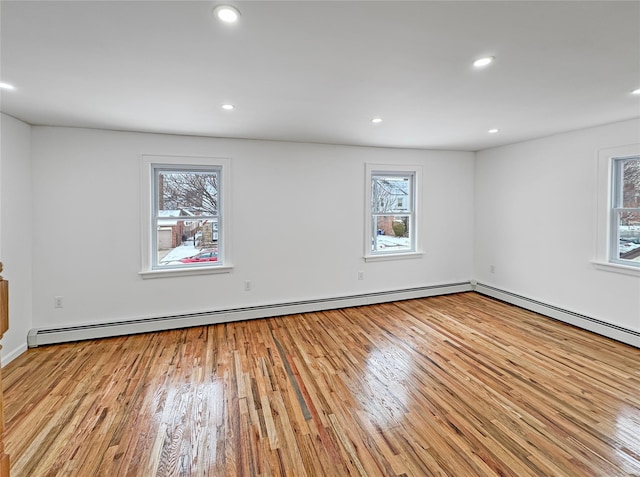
(226, 13)
(637, 91)
(480, 62)
(228, 107)
(493, 131)
(376, 120)
(7, 86)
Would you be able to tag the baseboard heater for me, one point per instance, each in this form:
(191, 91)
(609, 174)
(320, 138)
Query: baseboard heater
(43, 336)
(603, 328)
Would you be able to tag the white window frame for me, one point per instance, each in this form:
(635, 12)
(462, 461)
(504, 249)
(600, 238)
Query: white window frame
(415, 171)
(148, 166)
(606, 233)
(616, 209)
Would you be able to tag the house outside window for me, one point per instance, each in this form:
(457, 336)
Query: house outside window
(392, 198)
(625, 211)
(184, 225)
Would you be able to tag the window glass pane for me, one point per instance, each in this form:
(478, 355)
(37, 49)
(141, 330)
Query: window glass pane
(392, 233)
(390, 194)
(184, 241)
(629, 236)
(631, 184)
(195, 192)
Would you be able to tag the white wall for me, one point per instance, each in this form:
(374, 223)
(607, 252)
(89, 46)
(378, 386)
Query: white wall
(296, 225)
(534, 203)
(536, 223)
(16, 232)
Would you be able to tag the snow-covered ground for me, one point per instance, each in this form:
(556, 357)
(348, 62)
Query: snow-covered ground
(183, 251)
(629, 239)
(628, 247)
(385, 242)
(390, 242)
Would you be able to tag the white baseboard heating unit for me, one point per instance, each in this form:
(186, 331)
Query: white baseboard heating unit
(43, 336)
(600, 327)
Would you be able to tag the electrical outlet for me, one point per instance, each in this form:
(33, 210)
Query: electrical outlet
(247, 285)
(492, 268)
(57, 302)
(360, 275)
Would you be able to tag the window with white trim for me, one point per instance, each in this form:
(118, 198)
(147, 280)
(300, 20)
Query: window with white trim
(184, 228)
(625, 211)
(392, 197)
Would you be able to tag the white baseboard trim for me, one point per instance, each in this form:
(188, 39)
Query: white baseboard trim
(603, 328)
(44, 336)
(11, 355)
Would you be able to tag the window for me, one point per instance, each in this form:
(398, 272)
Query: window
(625, 211)
(392, 228)
(183, 203)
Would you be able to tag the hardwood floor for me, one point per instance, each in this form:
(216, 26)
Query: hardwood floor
(458, 385)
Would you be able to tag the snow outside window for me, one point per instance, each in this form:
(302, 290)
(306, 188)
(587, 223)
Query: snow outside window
(392, 228)
(625, 211)
(184, 227)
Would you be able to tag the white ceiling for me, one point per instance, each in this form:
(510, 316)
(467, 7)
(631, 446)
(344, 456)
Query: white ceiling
(319, 71)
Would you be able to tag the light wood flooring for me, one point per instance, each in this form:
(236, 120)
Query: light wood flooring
(458, 385)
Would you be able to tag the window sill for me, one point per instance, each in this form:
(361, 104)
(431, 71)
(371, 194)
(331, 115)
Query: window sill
(617, 268)
(184, 272)
(392, 256)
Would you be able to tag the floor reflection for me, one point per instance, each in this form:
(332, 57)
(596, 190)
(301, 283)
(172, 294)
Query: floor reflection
(385, 386)
(628, 430)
